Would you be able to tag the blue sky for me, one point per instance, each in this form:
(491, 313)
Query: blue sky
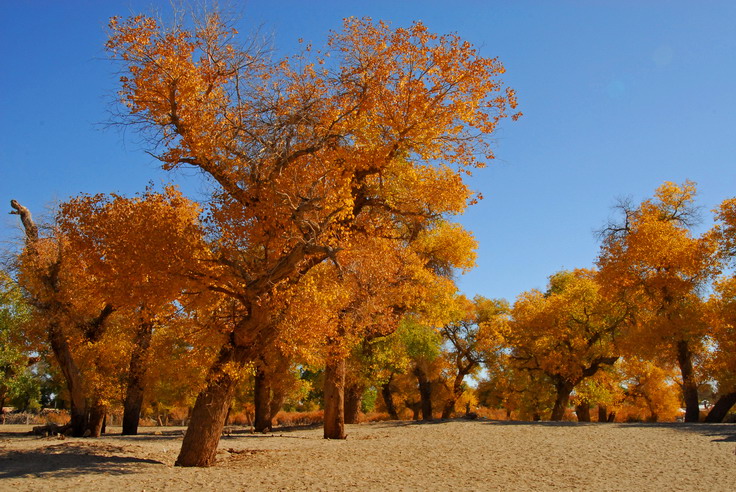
(618, 96)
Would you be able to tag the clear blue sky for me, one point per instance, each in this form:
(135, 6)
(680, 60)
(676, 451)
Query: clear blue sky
(618, 96)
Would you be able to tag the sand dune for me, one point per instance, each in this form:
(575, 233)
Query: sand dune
(446, 455)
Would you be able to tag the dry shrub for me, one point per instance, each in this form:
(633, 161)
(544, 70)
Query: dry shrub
(373, 417)
(290, 419)
(54, 416)
(240, 418)
(492, 413)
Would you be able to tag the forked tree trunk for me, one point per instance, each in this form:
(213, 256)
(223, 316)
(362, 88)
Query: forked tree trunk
(353, 399)
(334, 394)
(73, 378)
(562, 399)
(583, 412)
(262, 400)
(721, 408)
(136, 379)
(199, 447)
(388, 399)
(425, 392)
(689, 385)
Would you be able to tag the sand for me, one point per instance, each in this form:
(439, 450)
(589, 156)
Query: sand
(445, 455)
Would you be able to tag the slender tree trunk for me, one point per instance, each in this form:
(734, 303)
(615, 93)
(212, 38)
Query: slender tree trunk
(456, 393)
(415, 407)
(583, 412)
(602, 413)
(199, 447)
(388, 399)
(334, 392)
(562, 399)
(262, 400)
(353, 399)
(73, 378)
(136, 379)
(721, 408)
(425, 392)
(689, 385)
(611, 417)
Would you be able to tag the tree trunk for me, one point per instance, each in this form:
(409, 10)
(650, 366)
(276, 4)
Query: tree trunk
(602, 413)
(73, 378)
(562, 399)
(388, 399)
(262, 400)
(353, 399)
(199, 447)
(583, 412)
(425, 392)
(721, 408)
(136, 379)
(689, 385)
(334, 392)
(278, 396)
(97, 414)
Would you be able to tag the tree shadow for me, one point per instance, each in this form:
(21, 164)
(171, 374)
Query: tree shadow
(67, 461)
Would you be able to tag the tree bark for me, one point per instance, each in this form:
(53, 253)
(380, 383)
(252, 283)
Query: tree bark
(721, 408)
(353, 399)
(136, 379)
(199, 447)
(388, 399)
(583, 412)
(562, 399)
(425, 392)
(334, 393)
(689, 385)
(262, 400)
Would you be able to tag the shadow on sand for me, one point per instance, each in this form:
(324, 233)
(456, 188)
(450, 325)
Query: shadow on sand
(68, 461)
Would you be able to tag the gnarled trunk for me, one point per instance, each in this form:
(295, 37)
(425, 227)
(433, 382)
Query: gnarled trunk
(689, 385)
(721, 408)
(199, 447)
(388, 399)
(262, 400)
(136, 377)
(334, 393)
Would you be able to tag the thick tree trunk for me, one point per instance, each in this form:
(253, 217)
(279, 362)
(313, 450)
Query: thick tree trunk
(334, 393)
(689, 385)
(388, 399)
(562, 399)
(353, 399)
(583, 412)
(602, 413)
(199, 447)
(721, 408)
(73, 378)
(262, 400)
(136, 379)
(97, 414)
(425, 392)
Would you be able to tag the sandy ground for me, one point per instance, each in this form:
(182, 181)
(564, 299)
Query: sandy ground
(446, 455)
